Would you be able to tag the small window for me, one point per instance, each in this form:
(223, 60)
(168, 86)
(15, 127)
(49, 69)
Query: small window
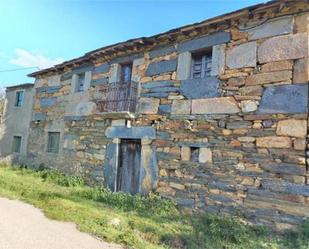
(19, 98)
(195, 154)
(126, 73)
(80, 86)
(53, 142)
(16, 146)
(201, 65)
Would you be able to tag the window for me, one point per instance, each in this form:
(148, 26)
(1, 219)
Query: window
(126, 73)
(80, 86)
(195, 154)
(53, 142)
(201, 65)
(16, 145)
(19, 98)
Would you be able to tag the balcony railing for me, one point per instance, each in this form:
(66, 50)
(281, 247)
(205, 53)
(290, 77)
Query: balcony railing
(118, 97)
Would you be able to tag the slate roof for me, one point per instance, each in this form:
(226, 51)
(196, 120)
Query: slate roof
(20, 86)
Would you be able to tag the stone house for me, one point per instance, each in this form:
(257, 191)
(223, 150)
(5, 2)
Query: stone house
(16, 120)
(213, 115)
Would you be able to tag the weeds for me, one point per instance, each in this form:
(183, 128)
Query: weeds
(58, 177)
(144, 222)
(152, 204)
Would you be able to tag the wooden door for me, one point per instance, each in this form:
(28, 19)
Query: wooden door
(128, 174)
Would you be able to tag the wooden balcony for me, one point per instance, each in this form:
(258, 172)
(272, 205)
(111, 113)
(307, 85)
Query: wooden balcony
(118, 97)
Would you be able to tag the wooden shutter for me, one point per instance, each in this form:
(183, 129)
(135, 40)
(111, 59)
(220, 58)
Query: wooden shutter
(19, 98)
(80, 83)
(201, 66)
(126, 73)
(16, 146)
(207, 60)
(197, 66)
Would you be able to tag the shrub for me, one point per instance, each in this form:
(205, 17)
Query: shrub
(299, 239)
(151, 204)
(223, 231)
(58, 177)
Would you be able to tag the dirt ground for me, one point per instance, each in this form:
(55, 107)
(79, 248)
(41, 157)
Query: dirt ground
(23, 226)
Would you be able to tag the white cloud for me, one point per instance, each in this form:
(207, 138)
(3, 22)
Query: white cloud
(26, 58)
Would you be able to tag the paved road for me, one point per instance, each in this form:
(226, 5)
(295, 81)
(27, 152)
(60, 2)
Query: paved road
(23, 226)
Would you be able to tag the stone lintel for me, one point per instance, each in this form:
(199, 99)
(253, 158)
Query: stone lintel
(161, 67)
(131, 133)
(162, 51)
(204, 42)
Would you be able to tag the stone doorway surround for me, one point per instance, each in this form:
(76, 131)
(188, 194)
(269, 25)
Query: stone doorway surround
(149, 168)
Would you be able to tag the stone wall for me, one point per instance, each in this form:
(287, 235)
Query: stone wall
(82, 150)
(234, 142)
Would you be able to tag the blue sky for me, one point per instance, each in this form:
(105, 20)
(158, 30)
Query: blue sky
(39, 33)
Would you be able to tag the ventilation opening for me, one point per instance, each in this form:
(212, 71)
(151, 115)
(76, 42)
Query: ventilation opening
(194, 154)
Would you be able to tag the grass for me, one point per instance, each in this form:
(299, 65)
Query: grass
(136, 221)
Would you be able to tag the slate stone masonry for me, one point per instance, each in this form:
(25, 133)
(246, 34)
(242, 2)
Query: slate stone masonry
(233, 142)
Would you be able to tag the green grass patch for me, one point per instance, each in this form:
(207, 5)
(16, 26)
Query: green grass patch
(136, 221)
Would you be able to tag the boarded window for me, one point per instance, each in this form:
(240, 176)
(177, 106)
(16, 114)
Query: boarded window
(53, 142)
(80, 86)
(126, 73)
(16, 145)
(201, 65)
(19, 98)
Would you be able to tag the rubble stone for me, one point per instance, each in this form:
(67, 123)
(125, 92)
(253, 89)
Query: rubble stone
(248, 106)
(292, 128)
(214, 106)
(181, 107)
(271, 77)
(281, 48)
(148, 105)
(274, 99)
(243, 55)
(299, 144)
(273, 142)
(205, 155)
(301, 71)
(275, 27)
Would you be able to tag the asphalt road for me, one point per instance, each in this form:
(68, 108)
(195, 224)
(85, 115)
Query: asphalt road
(23, 226)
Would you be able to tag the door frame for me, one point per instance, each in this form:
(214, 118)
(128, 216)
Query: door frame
(148, 168)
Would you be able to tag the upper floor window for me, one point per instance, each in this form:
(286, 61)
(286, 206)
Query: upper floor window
(53, 142)
(126, 73)
(80, 85)
(201, 65)
(16, 145)
(19, 98)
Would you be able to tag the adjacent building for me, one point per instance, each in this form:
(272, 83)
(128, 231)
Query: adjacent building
(213, 115)
(16, 120)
